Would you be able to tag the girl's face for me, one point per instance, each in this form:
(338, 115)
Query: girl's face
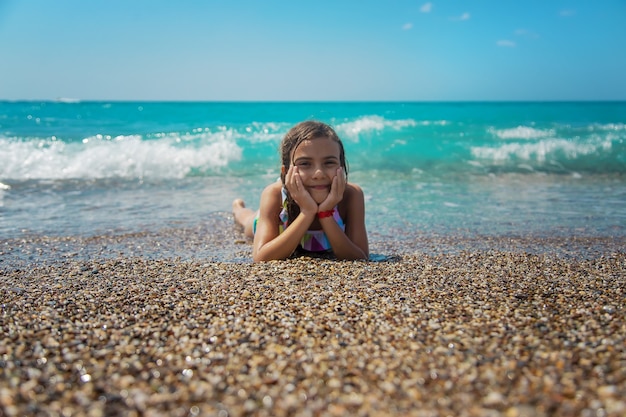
(317, 161)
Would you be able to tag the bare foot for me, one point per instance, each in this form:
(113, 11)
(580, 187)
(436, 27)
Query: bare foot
(238, 203)
(243, 216)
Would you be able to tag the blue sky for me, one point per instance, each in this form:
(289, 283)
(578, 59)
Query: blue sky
(313, 50)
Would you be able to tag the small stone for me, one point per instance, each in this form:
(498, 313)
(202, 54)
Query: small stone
(607, 391)
(493, 399)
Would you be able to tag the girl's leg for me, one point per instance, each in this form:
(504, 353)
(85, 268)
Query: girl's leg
(243, 216)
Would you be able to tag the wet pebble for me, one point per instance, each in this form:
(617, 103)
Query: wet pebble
(469, 334)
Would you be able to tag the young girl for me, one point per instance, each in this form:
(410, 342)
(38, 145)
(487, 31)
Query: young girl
(312, 206)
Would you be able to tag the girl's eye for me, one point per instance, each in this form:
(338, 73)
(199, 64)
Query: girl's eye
(331, 164)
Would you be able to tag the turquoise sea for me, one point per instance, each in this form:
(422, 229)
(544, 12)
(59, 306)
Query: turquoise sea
(495, 169)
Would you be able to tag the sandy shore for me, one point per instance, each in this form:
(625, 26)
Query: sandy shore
(473, 333)
(219, 240)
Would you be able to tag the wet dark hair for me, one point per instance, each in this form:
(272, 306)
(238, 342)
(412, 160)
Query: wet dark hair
(307, 130)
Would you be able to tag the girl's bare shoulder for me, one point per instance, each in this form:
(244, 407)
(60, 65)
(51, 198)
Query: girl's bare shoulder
(353, 191)
(353, 198)
(272, 192)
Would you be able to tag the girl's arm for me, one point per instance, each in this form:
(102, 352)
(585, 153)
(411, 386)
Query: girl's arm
(269, 244)
(351, 244)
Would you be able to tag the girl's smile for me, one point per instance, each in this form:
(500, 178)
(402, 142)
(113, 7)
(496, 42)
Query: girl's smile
(319, 192)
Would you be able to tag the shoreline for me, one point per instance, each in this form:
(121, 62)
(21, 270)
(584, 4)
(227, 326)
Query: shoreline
(220, 240)
(471, 333)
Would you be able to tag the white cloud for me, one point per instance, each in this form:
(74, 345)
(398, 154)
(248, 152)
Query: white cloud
(464, 16)
(407, 26)
(506, 43)
(426, 7)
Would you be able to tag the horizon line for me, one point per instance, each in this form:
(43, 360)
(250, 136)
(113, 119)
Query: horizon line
(63, 100)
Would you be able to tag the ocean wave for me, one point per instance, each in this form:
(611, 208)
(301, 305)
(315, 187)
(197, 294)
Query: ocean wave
(522, 132)
(609, 127)
(265, 132)
(122, 156)
(68, 100)
(367, 124)
(547, 150)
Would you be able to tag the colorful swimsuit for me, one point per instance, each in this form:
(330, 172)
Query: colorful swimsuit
(313, 240)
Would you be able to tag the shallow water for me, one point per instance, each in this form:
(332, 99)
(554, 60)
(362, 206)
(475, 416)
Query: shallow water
(537, 170)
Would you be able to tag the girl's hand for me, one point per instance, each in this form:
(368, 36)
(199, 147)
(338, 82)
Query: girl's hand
(337, 189)
(297, 190)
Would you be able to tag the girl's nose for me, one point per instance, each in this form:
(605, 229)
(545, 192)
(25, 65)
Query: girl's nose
(318, 172)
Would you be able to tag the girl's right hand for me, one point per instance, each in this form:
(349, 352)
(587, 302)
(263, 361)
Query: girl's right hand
(297, 191)
(337, 189)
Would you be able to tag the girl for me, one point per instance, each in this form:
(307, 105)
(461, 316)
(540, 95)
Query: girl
(312, 206)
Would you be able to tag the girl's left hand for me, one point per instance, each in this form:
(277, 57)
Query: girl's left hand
(337, 189)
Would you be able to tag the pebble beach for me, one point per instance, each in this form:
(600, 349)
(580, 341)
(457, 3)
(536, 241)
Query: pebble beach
(500, 328)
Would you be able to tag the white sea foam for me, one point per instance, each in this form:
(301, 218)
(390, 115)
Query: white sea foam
(352, 130)
(3, 188)
(123, 156)
(541, 151)
(522, 132)
(609, 126)
(266, 132)
(68, 100)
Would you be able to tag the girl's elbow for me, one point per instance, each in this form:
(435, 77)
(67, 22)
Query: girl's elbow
(265, 257)
(260, 258)
(257, 256)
